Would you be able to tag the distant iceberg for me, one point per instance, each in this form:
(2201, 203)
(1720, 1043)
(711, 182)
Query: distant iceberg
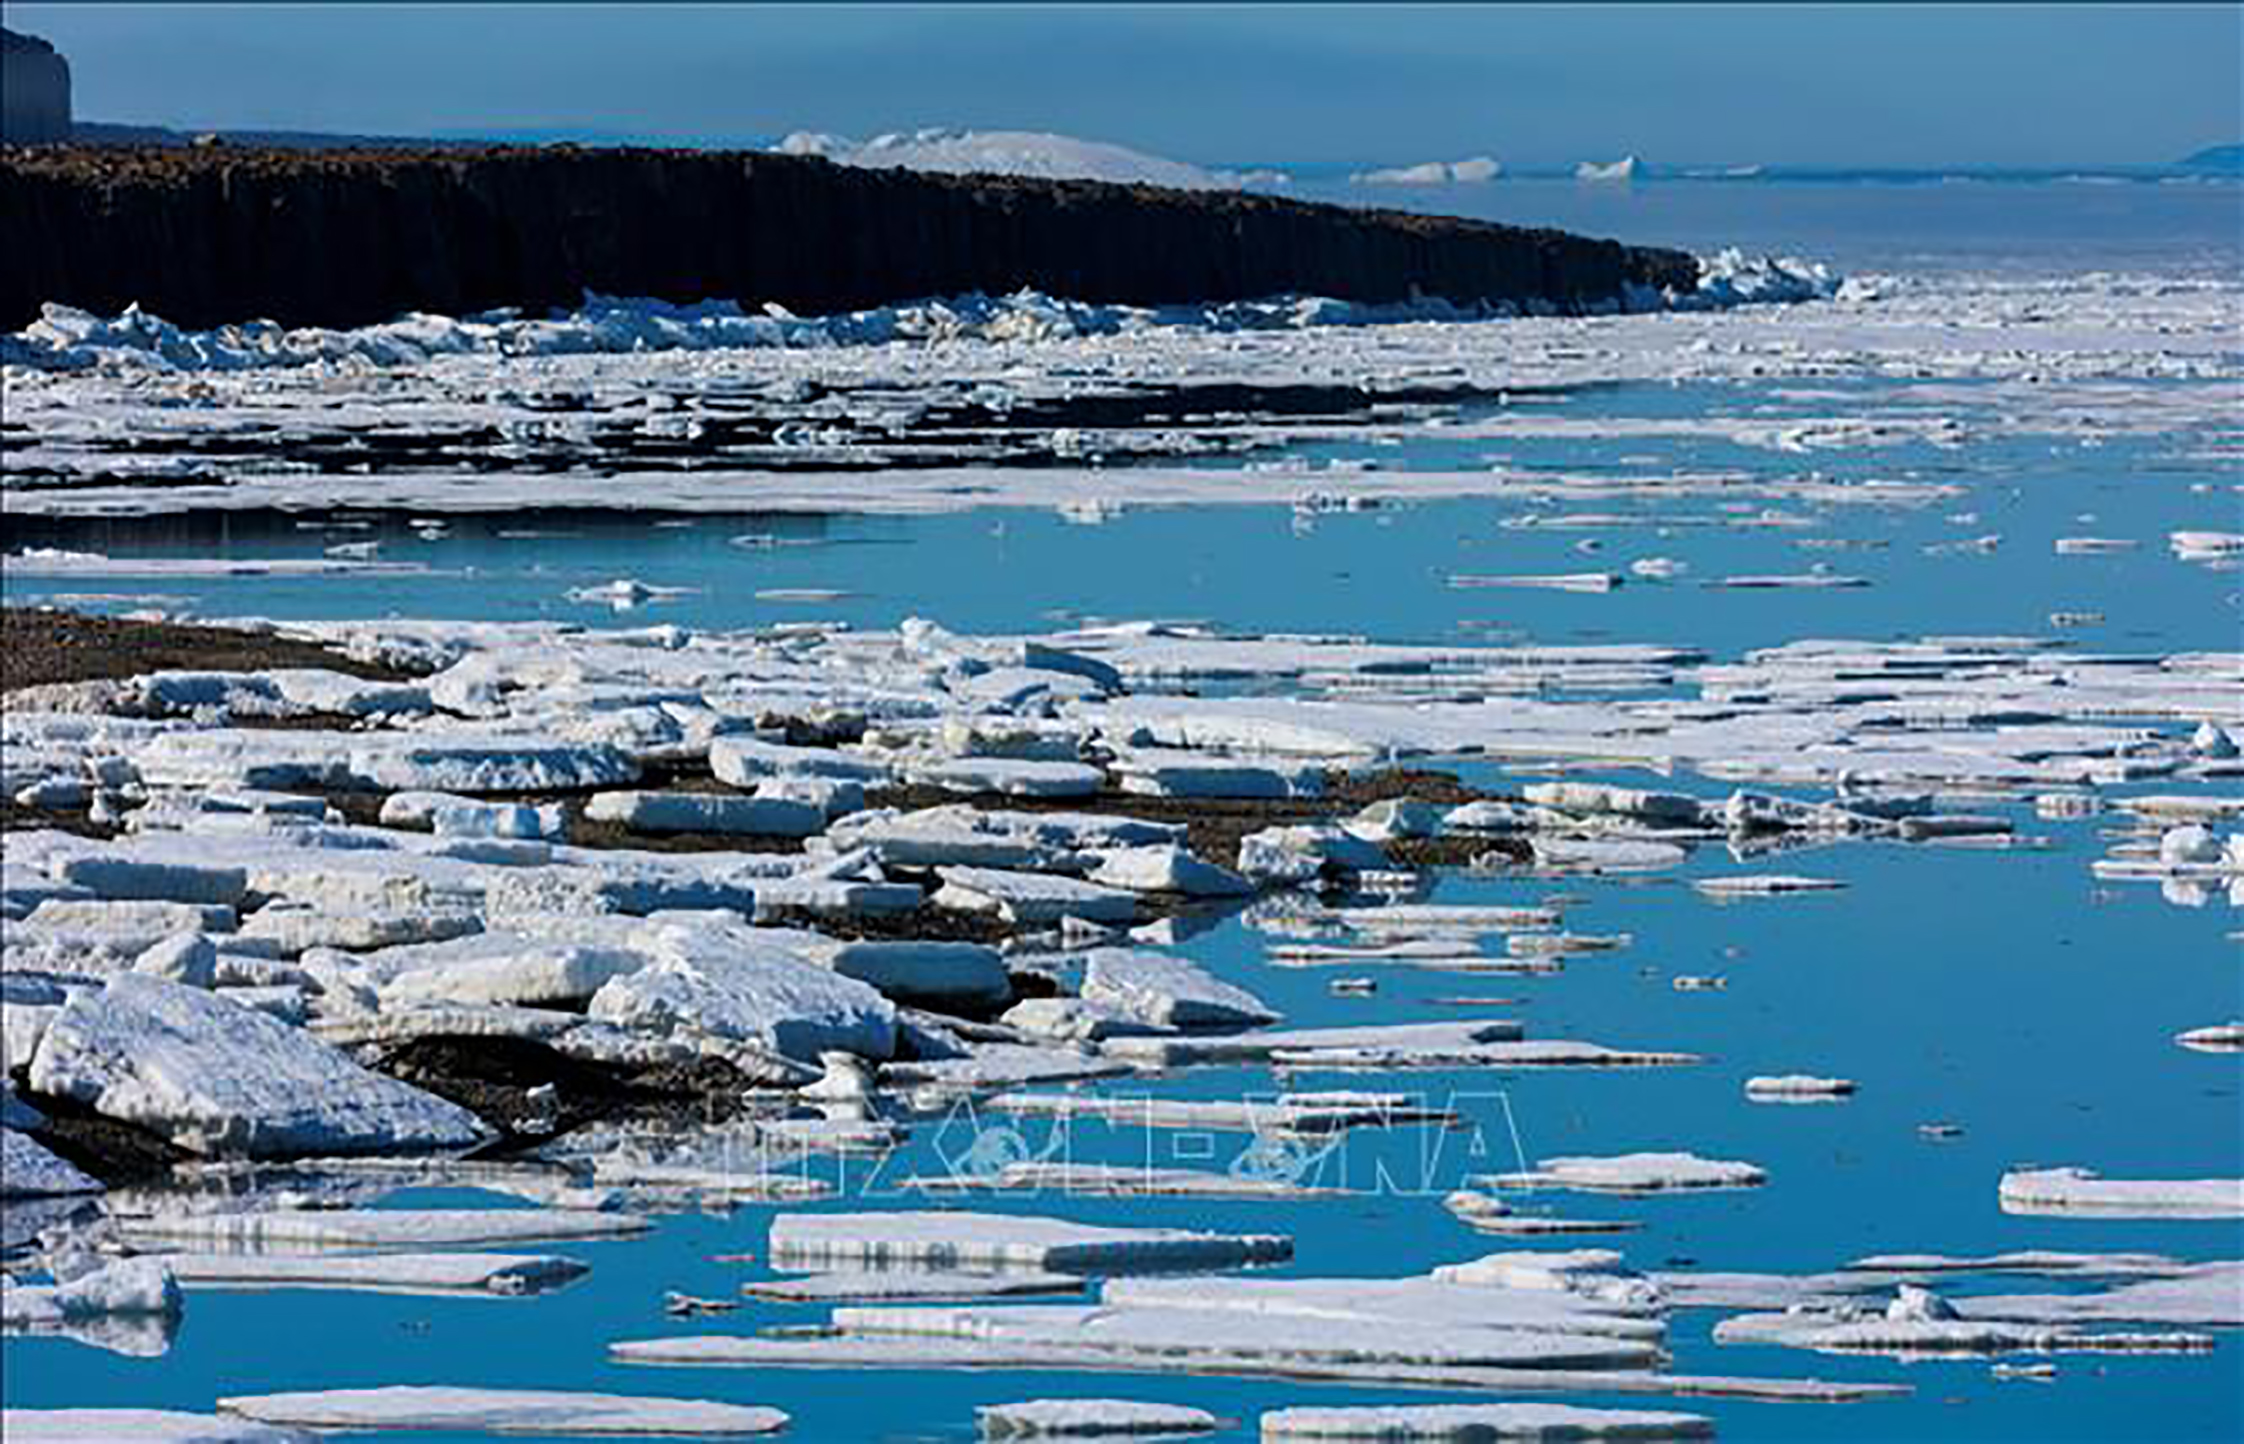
(1433, 173)
(1018, 152)
(1624, 169)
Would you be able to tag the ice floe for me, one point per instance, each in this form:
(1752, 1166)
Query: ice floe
(548, 1413)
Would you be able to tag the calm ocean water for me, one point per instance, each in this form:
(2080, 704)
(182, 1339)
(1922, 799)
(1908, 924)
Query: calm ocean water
(2002, 991)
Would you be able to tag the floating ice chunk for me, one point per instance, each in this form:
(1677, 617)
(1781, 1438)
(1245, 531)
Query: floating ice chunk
(2218, 1038)
(110, 876)
(725, 982)
(130, 919)
(1304, 852)
(1074, 1019)
(915, 1285)
(28, 1170)
(1797, 1087)
(1763, 885)
(1299, 1113)
(1011, 1241)
(1169, 992)
(1121, 1181)
(1637, 1173)
(1165, 867)
(189, 959)
(1393, 1040)
(142, 1426)
(2081, 1191)
(1033, 898)
(2185, 844)
(135, 1286)
(1846, 1330)
(299, 1230)
(1588, 854)
(1624, 169)
(1014, 776)
(500, 968)
(1170, 1329)
(1477, 1423)
(1164, 773)
(1002, 1065)
(402, 1273)
(450, 816)
(295, 930)
(549, 1413)
(2211, 1294)
(660, 812)
(2197, 546)
(1083, 1418)
(218, 1078)
(1557, 582)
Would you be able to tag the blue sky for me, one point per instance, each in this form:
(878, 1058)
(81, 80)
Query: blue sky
(1840, 85)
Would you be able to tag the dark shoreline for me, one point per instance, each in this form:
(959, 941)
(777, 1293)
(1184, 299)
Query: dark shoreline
(208, 235)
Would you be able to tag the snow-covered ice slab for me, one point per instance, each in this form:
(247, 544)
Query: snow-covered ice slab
(1868, 1331)
(1032, 898)
(1477, 1423)
(726, 981)
(1797, 1088)
(714, 812)
(295, 1230)
(1443, 1037)
(505, 1274)
(2083, 1191)
(1086, 1418)
(1283, 1338)
(1637, 1173)
(1763, 885)
(550, 1413)
(1626, 1309)
(1011, 1241)
(1120, 1181)
(1169, 992)
(2209, 1294)
(909, 1286)
(29, 1170)
(138, 1426)
(218, 1078)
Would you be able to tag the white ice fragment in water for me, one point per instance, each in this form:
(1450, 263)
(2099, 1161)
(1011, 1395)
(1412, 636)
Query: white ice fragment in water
(218, 1078)
(1797, 1087)
(505, 1274)
(141, 1426)
(1008, 1241)
(1763, 885)
(2188, 843)
(2217, 1038)
(1480, 1423)
(1169, 992)
(672, 812)
(135, 1286)
(550, 1413)
(1084, 1418)
(296, 1230)
(2082, 1191)
(1637, 1173)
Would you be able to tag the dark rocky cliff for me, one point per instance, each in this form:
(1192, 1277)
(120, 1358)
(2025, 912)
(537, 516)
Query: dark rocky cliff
(209, 235)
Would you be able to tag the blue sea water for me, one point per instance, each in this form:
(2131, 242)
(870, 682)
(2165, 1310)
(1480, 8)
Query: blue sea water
(2003, 991)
